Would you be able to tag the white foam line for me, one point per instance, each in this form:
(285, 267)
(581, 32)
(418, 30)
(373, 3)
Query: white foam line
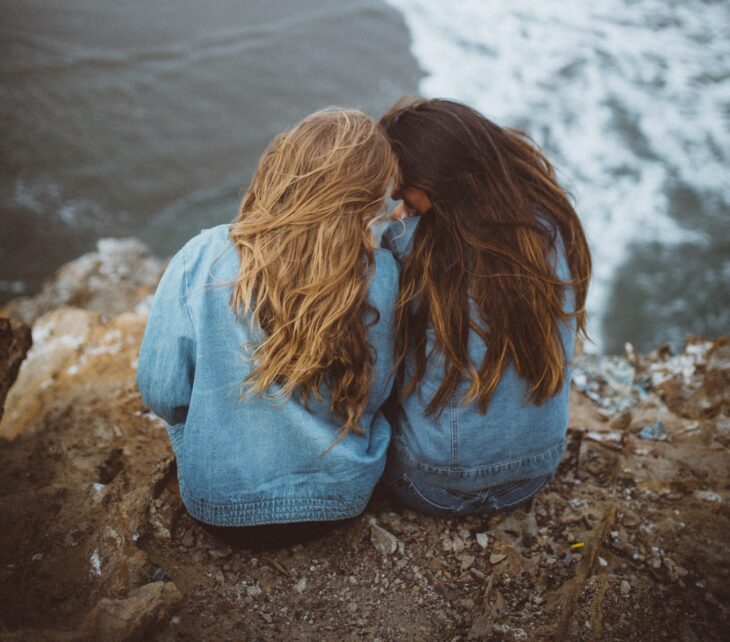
(578, 76)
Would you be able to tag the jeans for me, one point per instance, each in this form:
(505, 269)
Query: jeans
(444, 502)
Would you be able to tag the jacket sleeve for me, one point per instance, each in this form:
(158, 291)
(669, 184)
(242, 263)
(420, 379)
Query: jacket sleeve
(166, 365)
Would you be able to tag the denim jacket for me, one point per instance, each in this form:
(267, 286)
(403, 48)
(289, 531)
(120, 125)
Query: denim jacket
(254, 460)
(461, 448)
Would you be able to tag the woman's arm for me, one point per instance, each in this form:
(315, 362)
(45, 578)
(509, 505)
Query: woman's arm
(166, 366)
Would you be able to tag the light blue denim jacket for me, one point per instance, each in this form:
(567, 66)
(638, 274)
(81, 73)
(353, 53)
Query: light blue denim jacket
(254, 460)
(461, 448)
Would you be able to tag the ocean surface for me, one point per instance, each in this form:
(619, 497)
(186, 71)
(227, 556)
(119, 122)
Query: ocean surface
(631, 100)
(147, 118)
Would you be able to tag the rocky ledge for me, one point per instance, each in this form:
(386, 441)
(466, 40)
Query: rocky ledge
(628, 542)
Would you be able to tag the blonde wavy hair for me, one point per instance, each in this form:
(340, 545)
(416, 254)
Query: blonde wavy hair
(307, 252)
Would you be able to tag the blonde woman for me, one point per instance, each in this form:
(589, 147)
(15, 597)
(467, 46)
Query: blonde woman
(269, 347)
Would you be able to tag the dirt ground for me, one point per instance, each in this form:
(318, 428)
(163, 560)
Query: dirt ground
(629, 541)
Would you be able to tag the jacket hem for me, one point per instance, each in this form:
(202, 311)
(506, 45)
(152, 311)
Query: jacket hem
(459, 478)
(273, 510)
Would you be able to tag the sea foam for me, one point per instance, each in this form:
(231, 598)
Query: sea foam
(629, 99)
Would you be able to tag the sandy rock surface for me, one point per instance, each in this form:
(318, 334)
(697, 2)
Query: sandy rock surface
(628, 542)
(115, 278)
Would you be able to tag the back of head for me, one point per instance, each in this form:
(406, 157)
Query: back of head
(304, 240)
(496, 208)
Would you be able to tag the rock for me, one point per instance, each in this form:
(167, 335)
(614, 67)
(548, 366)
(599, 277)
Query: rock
(385, 542)
(188, 539)
(301, 585)
(143, 615)
(457, 544)
(654, 432)
(708, 496)
(114, 279)
(482, 540)
(467, 561)
(254, 590)
(71, 348)
(625, 587)
(496, 558)
(15, 341)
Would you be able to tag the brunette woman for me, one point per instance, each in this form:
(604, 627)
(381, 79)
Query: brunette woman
(495, 269)
(269, 345)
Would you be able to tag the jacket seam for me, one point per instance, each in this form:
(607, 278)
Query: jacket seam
(454, 433)
(186, 285)
(484, 470)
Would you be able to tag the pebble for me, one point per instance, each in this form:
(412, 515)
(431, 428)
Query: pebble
(467, 561)
(385, 542)
(188, 539)
(301, 585)
(457, 544)
(482, 540)
(708, 496)
(625, 587)
(496, 558)
(602, 562)
(253, 591)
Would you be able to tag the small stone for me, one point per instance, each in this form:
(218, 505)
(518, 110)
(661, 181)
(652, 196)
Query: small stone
(467, 561)
(496, 558)
(457, 544)
(301, 585)
(253, 591)
(219, 553)
(267, 618)
(385, 542)
(188, 539)
(482, 540)
(625, 587)
(602, 562)
(708, 496)
(477, 573)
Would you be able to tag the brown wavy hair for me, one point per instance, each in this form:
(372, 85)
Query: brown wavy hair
(307, 253)
(481, 257)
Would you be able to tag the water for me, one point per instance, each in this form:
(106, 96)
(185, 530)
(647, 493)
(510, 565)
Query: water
(631, 100)
(146, 119)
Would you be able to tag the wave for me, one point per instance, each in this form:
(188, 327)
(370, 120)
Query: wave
(629, 99)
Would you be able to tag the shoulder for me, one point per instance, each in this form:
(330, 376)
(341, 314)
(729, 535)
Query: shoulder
(203, 250)
(206, 240)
